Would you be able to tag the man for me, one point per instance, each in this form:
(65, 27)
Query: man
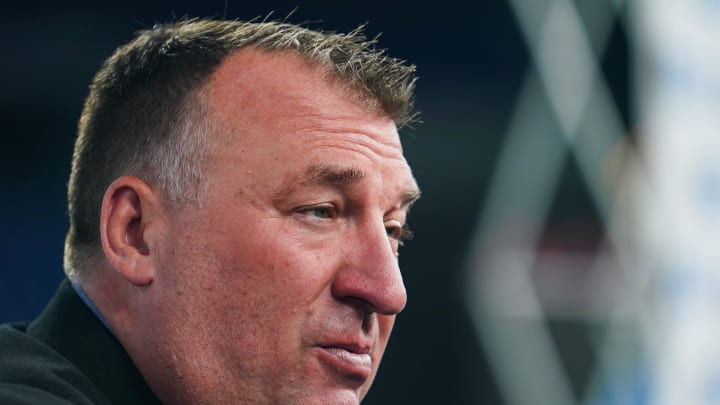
(237, 199)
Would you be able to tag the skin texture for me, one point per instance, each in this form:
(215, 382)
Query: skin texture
(283, 286)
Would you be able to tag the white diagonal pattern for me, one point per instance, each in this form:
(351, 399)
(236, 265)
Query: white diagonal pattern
(564, 83)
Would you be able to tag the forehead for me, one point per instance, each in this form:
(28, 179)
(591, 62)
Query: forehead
(254, 86)
(267, 101)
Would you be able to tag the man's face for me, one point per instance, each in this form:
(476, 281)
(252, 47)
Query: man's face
(284, 285)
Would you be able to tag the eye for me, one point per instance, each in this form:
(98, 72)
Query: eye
(393, 229)
(318, 212)
(397, 231)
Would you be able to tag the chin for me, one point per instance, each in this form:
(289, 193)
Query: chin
(342, 398)
(334, 397)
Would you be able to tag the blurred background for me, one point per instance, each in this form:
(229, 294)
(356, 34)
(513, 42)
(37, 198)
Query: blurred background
(566, 244)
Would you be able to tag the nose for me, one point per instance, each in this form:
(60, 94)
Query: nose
(371, 275)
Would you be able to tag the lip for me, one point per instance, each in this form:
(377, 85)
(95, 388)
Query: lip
(351, 360)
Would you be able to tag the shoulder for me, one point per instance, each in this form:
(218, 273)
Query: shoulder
(31, 372)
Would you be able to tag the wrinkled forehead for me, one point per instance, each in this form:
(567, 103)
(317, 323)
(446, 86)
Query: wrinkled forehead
(278, 116)
(271, 88)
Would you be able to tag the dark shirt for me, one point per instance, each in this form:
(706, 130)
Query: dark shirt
(67, 356)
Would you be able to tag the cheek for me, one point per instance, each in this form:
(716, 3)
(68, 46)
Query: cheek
(259, 269)
(272, 273)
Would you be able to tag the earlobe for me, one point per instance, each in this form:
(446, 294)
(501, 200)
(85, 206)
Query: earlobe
(126, 211)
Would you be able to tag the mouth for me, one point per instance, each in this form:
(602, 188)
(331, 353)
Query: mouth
(349, 360)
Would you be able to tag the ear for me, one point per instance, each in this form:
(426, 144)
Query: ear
(128, 218)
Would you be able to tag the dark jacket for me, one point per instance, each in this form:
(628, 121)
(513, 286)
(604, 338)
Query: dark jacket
(67, 356)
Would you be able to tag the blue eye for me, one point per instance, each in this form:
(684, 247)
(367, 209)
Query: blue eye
(320, 212)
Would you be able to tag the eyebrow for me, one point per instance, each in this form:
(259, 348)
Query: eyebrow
(340, 177)
(321, 174)
(324, 174)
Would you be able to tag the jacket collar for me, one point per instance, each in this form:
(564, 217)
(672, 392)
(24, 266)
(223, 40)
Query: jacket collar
(70, 327)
